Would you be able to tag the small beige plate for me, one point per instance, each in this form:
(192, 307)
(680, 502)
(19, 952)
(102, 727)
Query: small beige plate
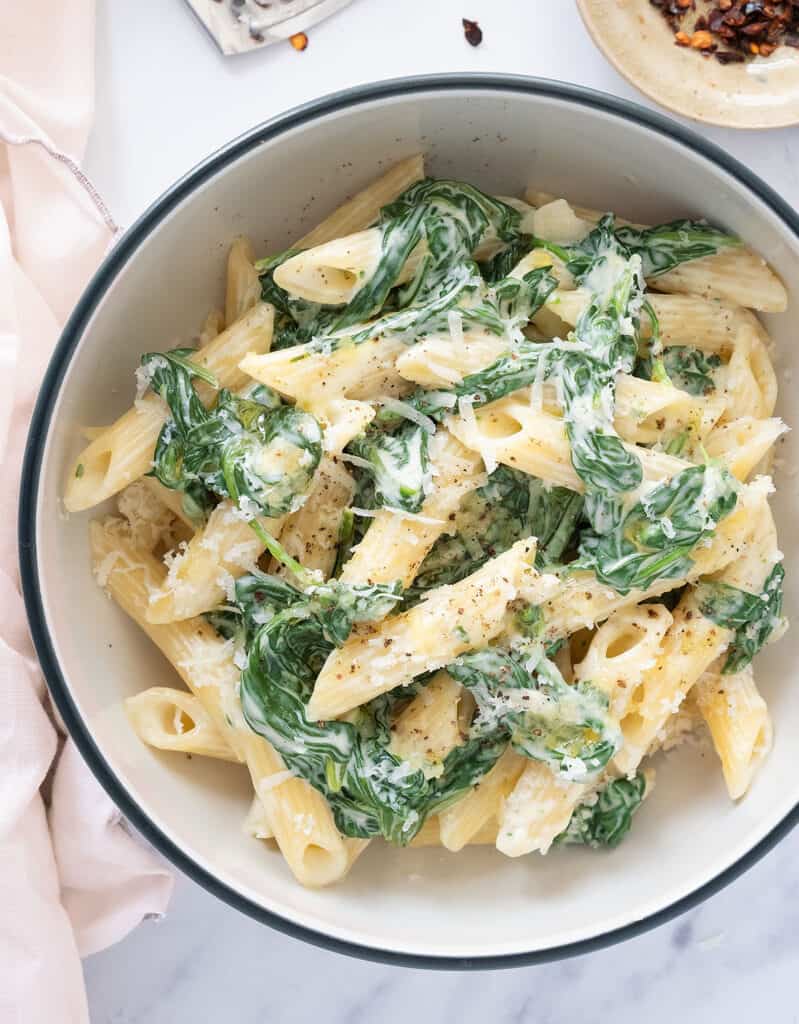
(634, 36)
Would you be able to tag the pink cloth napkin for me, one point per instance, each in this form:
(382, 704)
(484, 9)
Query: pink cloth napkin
(72, 879)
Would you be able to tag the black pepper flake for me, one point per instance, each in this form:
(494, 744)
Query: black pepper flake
(472, 31)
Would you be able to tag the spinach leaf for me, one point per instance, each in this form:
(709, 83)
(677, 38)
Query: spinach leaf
(249, 449)
(296, 320)
(398, 464)
(346, 540)
(581, 257)
(511, 505)
(603, 345)
(567, 727)
(661, 248)
(666, 246)
(655, 538)
(753, 617)
(689, 369)
(605, 819)
(502, 263)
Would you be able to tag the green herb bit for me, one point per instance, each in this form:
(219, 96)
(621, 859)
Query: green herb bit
(80, 469)
(346, 533)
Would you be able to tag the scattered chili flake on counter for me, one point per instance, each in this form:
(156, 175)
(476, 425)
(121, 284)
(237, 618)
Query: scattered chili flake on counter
(472, 31)
(299, 40)
(732, 30)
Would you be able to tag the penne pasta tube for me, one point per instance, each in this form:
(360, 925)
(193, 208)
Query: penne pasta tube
(540, 805)
(693, 643)
(512, 432)
(430, 835)
(428, 728)
(448, 622)
(124, 451)
(171, 719)
(645, 411)
(203, 573)
(315, 379)
(537, 809)
(311, 533)
(213, 326)
(364, 208)
(748, 382)
(334, 272)
(739, 724)
(581, 600)
(243, 287)
(741, 444)
(461, 823)
(690, 646)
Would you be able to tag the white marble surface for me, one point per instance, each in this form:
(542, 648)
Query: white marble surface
(166, 100)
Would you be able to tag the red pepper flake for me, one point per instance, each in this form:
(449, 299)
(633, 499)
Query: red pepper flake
(744, 28)
(299, 40)
(472, 31)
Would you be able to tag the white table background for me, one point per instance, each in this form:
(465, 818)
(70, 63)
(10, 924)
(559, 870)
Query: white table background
(166, 98)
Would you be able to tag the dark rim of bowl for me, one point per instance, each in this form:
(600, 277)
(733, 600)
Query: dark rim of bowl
(40, 424)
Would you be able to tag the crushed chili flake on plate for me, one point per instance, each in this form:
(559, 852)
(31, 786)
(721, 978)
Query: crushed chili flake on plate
(299, 40)
(732, 30)
(472, 31)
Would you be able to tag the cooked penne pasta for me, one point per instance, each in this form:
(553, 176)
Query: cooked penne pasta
(484, 804)
(461, 528)
(428, 729)
(243, 288)
(213, 326)
(646, 410)
(172, 719)
(739, 723)
(203, 573)
(315, 379)
(540, 807)
(514, 433)
(537, 809)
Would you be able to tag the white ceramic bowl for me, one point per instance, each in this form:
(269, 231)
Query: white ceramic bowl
(423, 907)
